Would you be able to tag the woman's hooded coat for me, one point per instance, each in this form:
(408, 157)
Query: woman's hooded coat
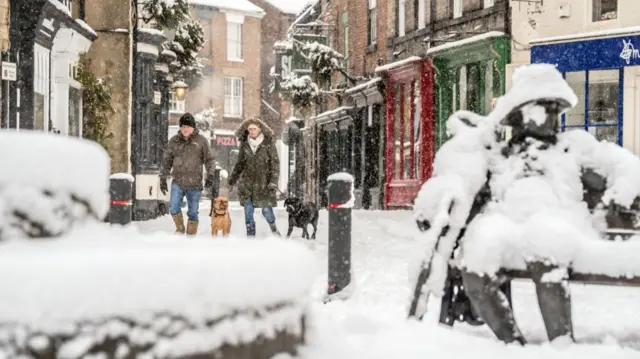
(255, 171)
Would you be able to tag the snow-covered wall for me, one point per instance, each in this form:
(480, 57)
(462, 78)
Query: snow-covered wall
(103, 291)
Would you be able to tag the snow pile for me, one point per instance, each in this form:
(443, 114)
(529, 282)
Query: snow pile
(172, 297)
(49, 183)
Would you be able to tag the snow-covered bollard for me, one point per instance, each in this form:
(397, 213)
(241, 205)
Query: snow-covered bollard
(341, 200)
(113, 293)
(121, 191)
(50, 183)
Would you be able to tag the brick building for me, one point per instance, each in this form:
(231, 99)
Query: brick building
(442, 56)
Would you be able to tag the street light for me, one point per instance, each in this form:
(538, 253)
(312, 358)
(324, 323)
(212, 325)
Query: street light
(180, 89)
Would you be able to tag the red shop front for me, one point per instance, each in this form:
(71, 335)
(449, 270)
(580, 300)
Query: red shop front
(409, 130)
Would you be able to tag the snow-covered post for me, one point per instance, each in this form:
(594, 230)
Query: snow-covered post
(341, 200)
(120, 190)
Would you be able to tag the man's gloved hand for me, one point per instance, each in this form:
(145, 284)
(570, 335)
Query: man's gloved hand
(163, 186)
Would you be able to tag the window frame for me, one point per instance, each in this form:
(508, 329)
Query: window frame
(234, 82)
(372, 22)
(593, 7)
(176, 106)
(234, 46)
(457, 8)
(401, 23)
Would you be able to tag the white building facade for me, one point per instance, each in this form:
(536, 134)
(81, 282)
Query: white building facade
(596, 46)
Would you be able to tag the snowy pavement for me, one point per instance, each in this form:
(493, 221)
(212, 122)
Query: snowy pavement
(372, 324)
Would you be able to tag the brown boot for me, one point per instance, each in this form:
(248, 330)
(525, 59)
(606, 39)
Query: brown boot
(179, 222)
(192, 228)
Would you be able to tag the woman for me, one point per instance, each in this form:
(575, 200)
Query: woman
(256, 172)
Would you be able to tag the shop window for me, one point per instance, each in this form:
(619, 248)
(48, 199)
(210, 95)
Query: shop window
(598, 94)
(604, 10)
(372, 22)
(175, 105)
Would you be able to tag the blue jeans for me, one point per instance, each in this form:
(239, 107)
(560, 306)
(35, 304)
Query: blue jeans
(193, 201)
(267, 212)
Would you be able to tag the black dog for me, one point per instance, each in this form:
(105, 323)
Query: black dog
(301, 214)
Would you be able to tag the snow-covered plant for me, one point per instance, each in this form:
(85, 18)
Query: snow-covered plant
(165, 13)
(173, 15)
(205, 119)
(324, 61)
(301, 91)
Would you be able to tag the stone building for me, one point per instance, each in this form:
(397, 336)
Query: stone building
(596, 45)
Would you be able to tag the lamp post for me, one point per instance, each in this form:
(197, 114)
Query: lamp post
(180, 89)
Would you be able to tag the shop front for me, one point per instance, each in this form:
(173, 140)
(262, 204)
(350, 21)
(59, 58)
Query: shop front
(604, 71)
(470, 74)
(409, 129)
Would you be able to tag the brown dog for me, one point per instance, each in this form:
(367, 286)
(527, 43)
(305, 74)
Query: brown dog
(220, 219)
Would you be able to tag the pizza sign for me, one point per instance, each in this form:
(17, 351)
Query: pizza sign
(226, 141)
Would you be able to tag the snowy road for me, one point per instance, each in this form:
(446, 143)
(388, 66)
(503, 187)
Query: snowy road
(372, 323)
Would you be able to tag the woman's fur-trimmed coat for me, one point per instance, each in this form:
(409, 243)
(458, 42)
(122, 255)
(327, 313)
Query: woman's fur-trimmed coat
(254, 172)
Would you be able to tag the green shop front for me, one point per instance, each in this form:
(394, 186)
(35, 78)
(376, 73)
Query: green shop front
(469, 75)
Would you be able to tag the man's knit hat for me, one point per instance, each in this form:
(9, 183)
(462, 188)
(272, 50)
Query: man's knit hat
(187, 120)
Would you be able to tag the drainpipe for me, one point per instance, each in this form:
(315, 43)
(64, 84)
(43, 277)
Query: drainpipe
(83, 9)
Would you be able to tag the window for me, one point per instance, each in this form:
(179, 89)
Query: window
(401, 16)
(372, 19)
(604, 10)
(488, 3)
(233, 97)
(597, 93)
(176, 105)
(457, 8)
(422, 21)
(345, 22)
(234, 41)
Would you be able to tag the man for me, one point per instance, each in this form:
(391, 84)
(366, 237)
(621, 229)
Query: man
(184, 157)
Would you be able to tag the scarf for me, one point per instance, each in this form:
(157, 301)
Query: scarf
(255, 142)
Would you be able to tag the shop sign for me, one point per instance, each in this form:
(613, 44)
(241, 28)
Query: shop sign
(9, 71)
(157, 97)
(629, 52)
(226, 141)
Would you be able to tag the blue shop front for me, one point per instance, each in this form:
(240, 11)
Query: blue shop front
(604, 73)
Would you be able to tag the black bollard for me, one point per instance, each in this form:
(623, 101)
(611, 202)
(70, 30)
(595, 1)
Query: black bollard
(340, 192)
(121, 189)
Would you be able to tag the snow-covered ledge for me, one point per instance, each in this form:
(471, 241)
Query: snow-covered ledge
(102, 292)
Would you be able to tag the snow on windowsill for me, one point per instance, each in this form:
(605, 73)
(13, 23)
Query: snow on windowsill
(98, 272)
(284, 44)
(393, 65)
(222, 131)
(469, 40)
(151, 31)
(292, 119)
(243, 6)
(585, 35)
(235, 60)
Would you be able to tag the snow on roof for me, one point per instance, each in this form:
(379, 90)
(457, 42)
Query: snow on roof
(234, 5)
(600, 33)
(399, 63)
(60, 6)
(333, 112)
(86, 27)
(469, 40)
(224, 132)
(100, 272)
(290, 6)
(303, 15)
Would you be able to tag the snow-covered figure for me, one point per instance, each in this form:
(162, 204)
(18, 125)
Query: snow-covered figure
(527, 203)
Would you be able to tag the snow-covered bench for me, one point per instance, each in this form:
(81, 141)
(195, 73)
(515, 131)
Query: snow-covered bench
(77, 288)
